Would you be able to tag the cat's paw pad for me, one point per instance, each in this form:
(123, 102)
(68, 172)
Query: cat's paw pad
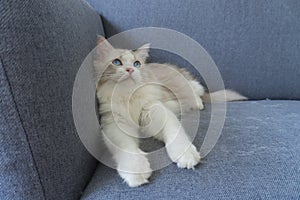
(189, 159)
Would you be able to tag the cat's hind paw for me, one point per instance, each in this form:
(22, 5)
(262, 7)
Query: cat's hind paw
(200, 104)
(197, 105)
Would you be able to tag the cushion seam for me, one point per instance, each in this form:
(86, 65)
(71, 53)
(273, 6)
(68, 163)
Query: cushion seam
(22, 126)
(102, 24)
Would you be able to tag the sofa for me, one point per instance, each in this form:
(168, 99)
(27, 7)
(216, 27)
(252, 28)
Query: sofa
(255, 45)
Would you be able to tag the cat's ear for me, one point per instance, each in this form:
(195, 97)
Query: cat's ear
(103, 47)
(143, 51)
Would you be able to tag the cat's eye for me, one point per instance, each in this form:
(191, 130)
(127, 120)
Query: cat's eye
(137, 64)
(117, 62)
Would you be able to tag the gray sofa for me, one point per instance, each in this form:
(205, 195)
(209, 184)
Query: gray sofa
(255, 45)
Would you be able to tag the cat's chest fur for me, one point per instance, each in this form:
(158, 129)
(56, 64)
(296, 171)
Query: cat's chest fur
(126, 99)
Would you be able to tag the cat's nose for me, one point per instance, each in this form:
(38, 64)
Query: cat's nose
(129, 70)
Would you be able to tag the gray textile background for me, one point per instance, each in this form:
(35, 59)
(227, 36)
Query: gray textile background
(255, 44)
(256, 157)
(42, 46)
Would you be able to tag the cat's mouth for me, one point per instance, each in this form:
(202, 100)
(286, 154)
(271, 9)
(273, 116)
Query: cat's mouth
(127, 77)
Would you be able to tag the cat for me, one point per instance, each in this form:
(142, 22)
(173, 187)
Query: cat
(138, 99)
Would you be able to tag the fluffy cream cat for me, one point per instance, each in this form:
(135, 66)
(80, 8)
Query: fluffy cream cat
(139, 99)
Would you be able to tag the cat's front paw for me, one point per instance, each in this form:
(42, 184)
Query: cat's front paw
(137, 173)
(135, 180)
(189, 159)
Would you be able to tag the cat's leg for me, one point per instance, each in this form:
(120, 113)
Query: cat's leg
(194, 103)
(178, 145)
(132, 164)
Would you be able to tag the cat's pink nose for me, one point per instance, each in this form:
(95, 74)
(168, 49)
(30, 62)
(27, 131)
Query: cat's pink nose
(129, 70)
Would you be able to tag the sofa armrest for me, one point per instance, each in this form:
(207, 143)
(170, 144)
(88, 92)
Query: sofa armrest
(42, 46)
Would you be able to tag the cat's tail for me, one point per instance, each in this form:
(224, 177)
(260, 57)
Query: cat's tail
(223, 96)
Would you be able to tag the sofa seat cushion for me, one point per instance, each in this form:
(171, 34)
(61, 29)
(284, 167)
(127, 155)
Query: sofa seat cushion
(256, 157)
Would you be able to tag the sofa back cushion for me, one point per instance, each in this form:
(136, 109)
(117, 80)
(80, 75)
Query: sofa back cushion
(255, 44)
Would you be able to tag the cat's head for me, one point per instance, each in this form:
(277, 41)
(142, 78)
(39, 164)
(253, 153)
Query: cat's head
(119, 65)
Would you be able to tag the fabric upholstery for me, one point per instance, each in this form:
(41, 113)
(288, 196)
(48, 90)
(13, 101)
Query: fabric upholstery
(255, 44)
(42, 46)
(256, 157)
(16, 158)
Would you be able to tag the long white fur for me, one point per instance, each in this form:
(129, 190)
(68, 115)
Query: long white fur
(126, 111)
